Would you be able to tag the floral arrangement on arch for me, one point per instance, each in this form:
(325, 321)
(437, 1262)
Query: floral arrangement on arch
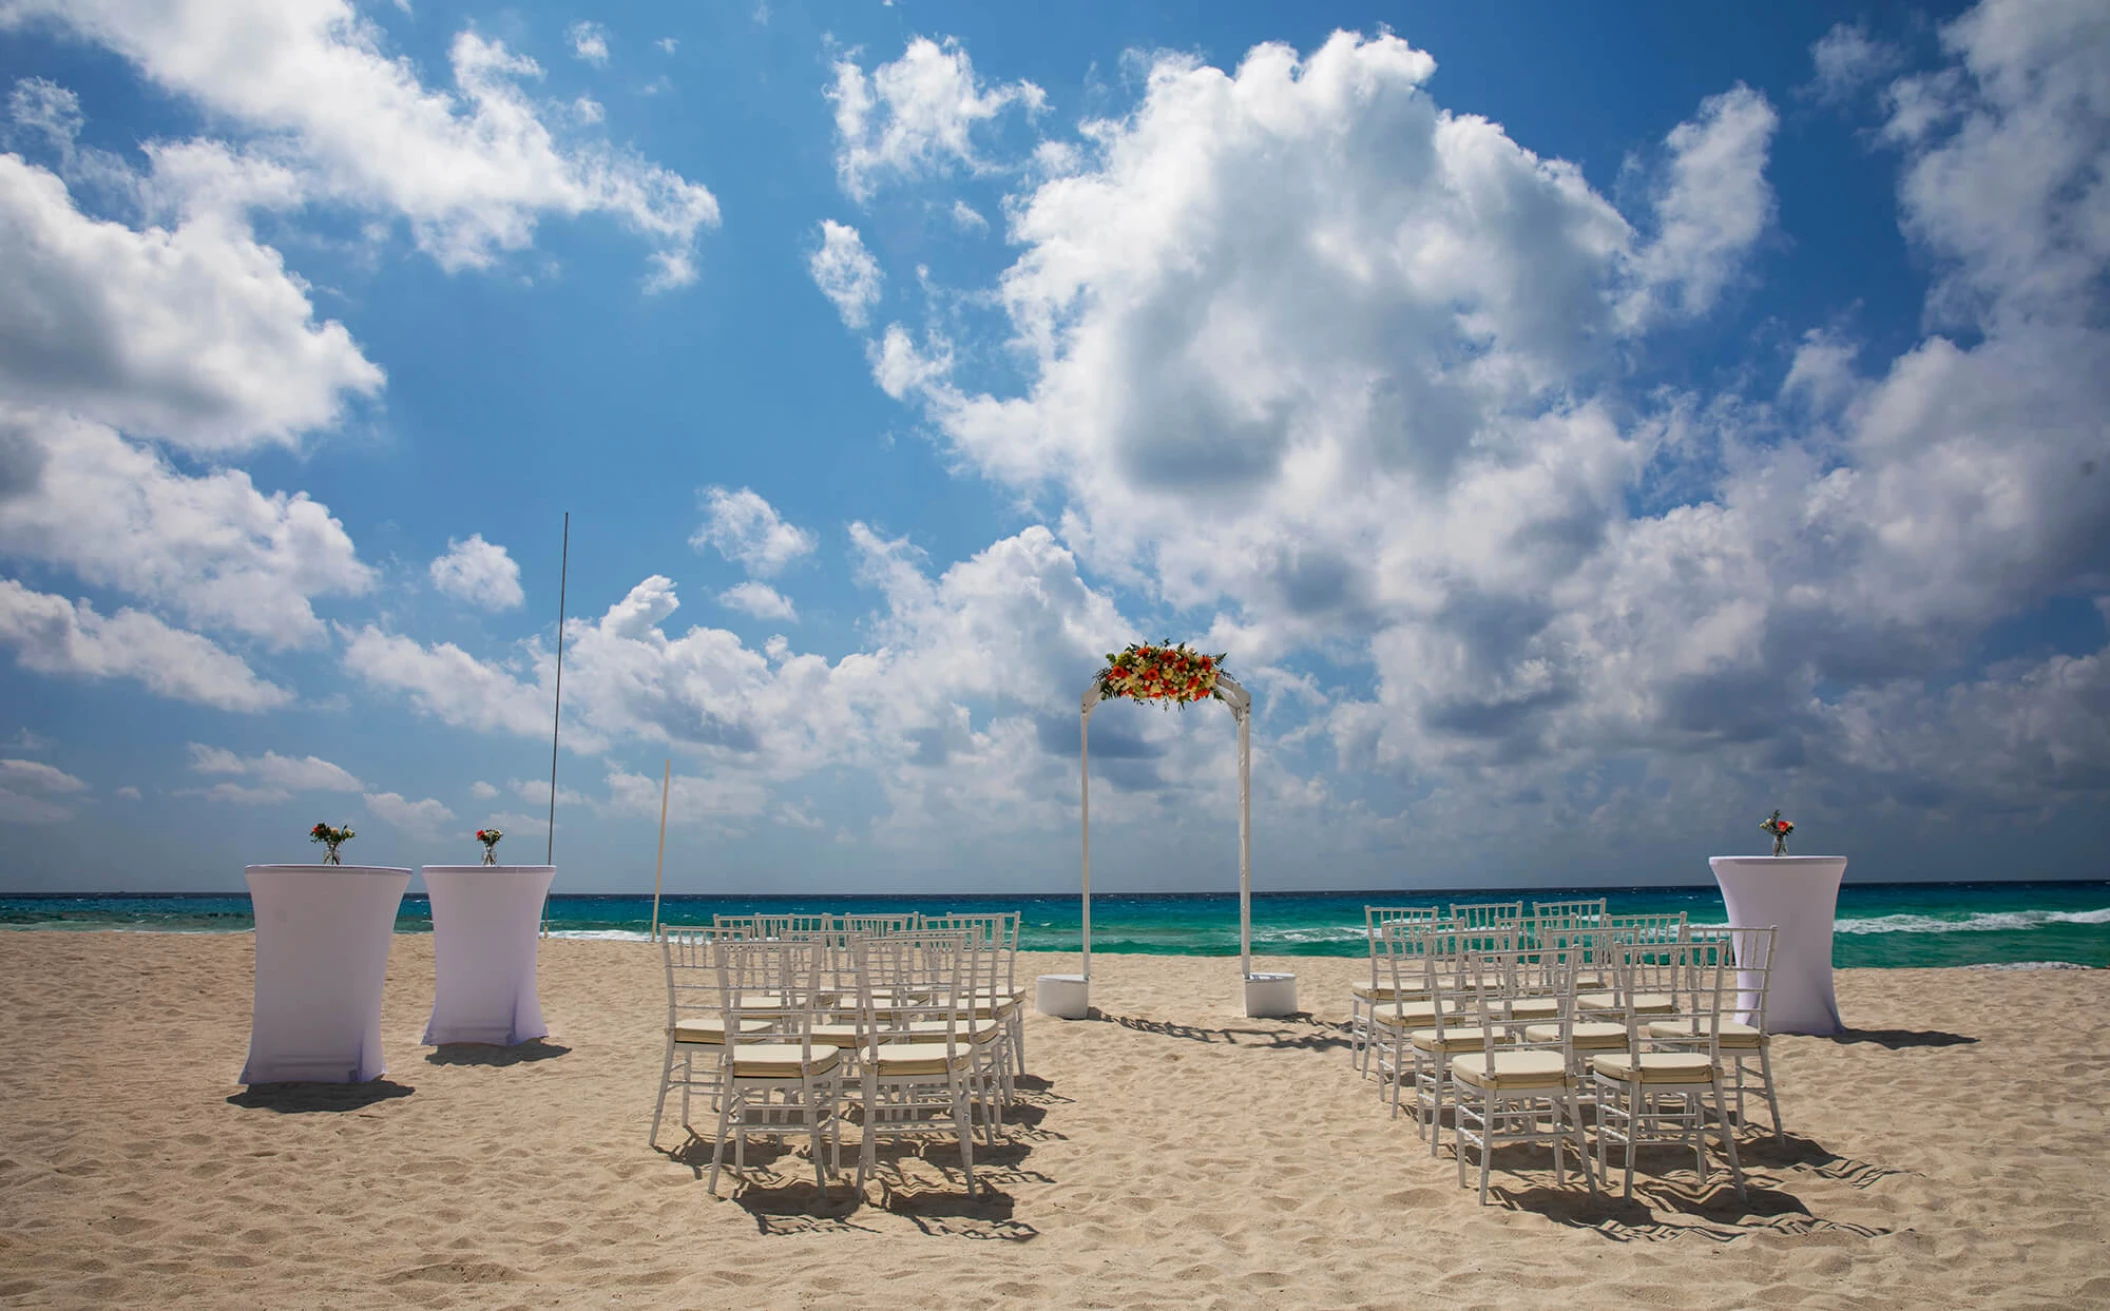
(1163, 672)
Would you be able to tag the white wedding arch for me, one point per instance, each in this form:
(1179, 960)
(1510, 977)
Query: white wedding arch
(1068, 995)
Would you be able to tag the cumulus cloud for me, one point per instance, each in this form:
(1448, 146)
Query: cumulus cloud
(417, 818)
(760, 600)
(1847, 59)
(292, 773)
(32, 792)
(916, 116)
(478, 572)
(845, 272)
(743, 526)
(447, 682)
(193, 332)
(1308, 350)
(52, 635)
(1714, 201)
(589, 41)
(473, 168)
(482, 791)
(75, 494)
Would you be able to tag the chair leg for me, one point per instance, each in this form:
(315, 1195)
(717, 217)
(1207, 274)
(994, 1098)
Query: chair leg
(1487, 1141)
(666, 1078)
(725, 1111)
(1736, 1169)
(960, 1118)
(1765, 1066)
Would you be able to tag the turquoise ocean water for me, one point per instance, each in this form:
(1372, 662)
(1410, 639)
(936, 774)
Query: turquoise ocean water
(1883, 925)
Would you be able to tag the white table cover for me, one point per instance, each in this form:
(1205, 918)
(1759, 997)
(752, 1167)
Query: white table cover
(1799, 895)
(322, 936)
(485, 920)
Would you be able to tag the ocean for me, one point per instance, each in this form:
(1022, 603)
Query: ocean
(1882, 925)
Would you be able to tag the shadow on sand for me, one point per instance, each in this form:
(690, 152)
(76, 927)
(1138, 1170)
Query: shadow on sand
(484, 1053)
(311, 1098)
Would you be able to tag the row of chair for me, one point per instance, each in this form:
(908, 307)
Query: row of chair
(1518, 1027)
(781, 1024)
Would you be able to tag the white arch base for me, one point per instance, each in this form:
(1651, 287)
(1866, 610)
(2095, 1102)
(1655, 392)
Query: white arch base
(1068, 996)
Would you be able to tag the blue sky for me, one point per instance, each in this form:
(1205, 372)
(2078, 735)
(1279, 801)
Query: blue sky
(1585, 429)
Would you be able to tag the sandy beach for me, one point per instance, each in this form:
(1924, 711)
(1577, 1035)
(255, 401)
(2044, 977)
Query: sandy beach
(1952, 1149)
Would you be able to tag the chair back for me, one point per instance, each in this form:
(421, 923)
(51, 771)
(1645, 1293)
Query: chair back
(910, 977)
(1486, 914)
(880, 925)
(1704, 971)
(1500, 979)
(1376, 919)
(775, 982)
(994, 933)
(1752, 952)
(1569, 912)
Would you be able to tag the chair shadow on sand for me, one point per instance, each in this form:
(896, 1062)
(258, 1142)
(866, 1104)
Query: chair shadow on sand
(313, 1098)
(484, 1053)
(1669, 1202)
(929, 1190)
(1317, 1035)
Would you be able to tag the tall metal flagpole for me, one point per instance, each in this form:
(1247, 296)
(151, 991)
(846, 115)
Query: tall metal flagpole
(549, 856)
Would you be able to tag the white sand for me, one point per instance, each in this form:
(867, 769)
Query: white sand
(1956, 1153)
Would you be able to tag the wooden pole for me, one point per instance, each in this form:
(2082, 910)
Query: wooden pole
(549, 852)
(1084, 761)
(666, 780)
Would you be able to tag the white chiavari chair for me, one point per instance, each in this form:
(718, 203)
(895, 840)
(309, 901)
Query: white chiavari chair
(1652, 972)
(1742, 1035)
(1657, 1092)
(1520, 1088)
(1365, 998)
(913, 1082)
(777, 1082)
(694, 1059)
(1454, 1029)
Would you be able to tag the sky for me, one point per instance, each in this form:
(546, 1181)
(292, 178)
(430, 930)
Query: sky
(1583, 429)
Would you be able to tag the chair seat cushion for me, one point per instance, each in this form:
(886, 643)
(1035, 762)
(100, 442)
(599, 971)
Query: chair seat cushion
(1509, 1071)
(710, 1029)
(836, 1035)
(1535, 1008)
(1585, 1035)
(1731, 1034)
(1645, 1003)
(1656, 1067)
(781, 1060)
(907, 1059)
(1458, 1039)
(1387, 992)
(1404, 1014)
(927, 1031)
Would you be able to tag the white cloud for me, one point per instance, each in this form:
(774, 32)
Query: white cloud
(1714, 202)
(74, 493)
(743, 526)
(127, 793)
(915, 116)
(52, 635)
(193, 332)
(845, 272)
(967, 218)
(36, 776)
(760, 600)
(419, 818)
(297, 774)
(239, 794)
(667, 43)
(1847, 59)
(482, 791)
(589, 41)
(452, 685)
(473, 169)
(1307, 348)
(478, 572)
(588, 110)
(22, 808)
